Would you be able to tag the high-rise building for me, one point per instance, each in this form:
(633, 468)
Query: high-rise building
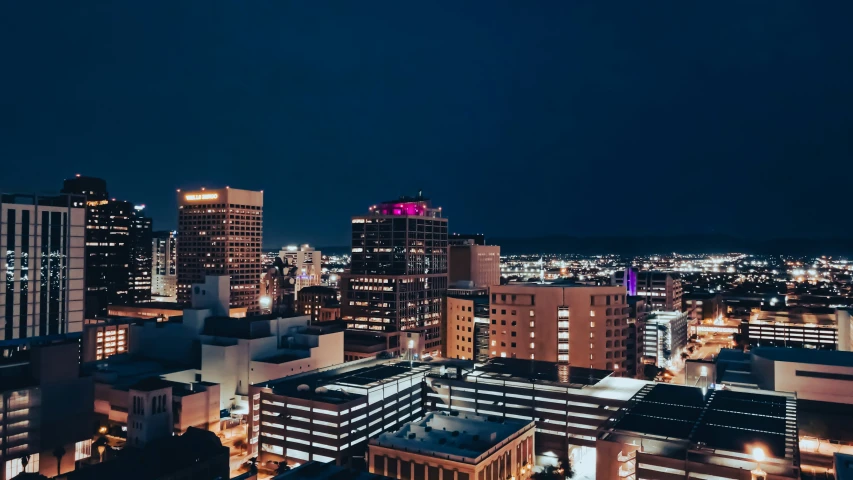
(398, 278)
(42, 290)
(662, 290)
(164, 272)
(220, 233)
(480, 264)
(582, 326)
(118, 247)
(307, 262)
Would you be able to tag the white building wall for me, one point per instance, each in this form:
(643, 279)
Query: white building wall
(811, 387)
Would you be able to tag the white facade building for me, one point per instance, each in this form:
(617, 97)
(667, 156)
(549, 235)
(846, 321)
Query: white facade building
(41, 280)
(307, 261)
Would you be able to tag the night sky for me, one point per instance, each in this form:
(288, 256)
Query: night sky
(518, 118)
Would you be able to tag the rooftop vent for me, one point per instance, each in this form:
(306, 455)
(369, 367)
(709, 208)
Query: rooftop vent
(321, 390)
(411, 436)
(303, 388)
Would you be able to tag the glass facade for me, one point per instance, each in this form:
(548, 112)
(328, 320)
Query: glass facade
(118, 248)
(398, 277)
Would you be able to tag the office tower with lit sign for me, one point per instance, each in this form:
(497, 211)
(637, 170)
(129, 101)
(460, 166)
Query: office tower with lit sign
(118, 247)
(398, 278)
(42, 289)
(220, 233)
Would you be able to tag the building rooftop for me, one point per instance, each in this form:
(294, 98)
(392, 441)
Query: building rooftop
(729, 420)
(318, 289)
(152, 383)
(539, 371)
(314, 470)
(344, 384)
(805, 355)
(465, 437)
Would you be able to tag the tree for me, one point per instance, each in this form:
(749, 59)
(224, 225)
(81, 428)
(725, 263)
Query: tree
(685, 355)
(559, 472)
(58, 452)
(282, 467)
(238, 444)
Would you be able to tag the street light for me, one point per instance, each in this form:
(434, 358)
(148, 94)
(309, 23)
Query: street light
(758, 456)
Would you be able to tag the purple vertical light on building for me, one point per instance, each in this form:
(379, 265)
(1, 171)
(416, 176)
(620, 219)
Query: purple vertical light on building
(631, 281)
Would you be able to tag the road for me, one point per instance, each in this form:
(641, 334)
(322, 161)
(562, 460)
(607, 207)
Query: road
(706, 351)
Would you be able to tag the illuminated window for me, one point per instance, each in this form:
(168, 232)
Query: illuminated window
(83, 449)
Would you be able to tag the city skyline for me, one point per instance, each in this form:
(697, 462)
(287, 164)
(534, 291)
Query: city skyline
(567, 123)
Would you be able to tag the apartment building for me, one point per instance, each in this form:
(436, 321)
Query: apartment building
(584, 326)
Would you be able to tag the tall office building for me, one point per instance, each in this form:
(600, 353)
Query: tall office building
(220, 233)
(308, 264)
(581, 326)
(42, 290)
(118, 253)
(164, 271)
(398, 278)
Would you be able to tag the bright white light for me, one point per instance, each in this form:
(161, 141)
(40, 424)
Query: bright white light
(758, 454)
(266, 301)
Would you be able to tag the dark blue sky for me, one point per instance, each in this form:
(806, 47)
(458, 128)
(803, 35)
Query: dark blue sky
(519, 118)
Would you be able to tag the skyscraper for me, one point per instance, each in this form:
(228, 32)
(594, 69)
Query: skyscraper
(41, 292)
(220, 233)
(118, 253)
(398, 278)
(164, 276)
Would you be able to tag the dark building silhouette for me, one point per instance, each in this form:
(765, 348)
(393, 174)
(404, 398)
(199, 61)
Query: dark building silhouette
(118, 247)
(196, 455)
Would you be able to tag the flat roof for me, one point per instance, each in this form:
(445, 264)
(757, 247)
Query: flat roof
(465, 435)
(805, 355)
(539, 371)
(315, 470)
(730, 420)
(359, 376)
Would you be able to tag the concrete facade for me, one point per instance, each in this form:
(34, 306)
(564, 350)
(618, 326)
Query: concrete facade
(459, 446)
(577, 325)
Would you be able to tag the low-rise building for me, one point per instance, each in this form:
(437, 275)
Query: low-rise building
(328, 416)
(674, 431)
(105, 337)
(456, 446)
(569, 404)
(326, 471)
(197, 454)
(161, 310)
(799, 327)
(318, 301)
